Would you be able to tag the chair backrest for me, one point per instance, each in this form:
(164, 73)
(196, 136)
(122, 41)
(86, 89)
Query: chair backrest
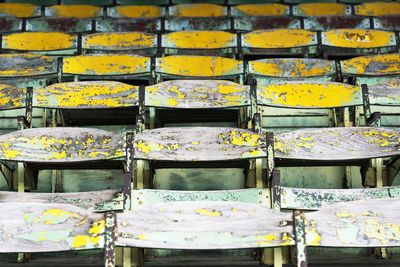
(377, 9)
(73, 10)
(19, 10)
(135, 11)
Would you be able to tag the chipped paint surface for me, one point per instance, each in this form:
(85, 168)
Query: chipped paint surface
(11, 97)
(91, 95)
(197, 94)
(198, 10)
(199, 39)
(321, 9)
(386, 93)
(76, 11)
(135, 12)
(378, 9)
(309, 94)
(290, 67)
(199, 66)
(39, 41)
(279, 38)
(106, 65)
(61, 145)
(119, 41)
(19, 10)
(358, 38)
(12, 65)
(260, 10)
(372, 65)
(213, 144)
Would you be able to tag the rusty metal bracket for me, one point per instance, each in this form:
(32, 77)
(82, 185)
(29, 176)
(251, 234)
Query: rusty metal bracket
(269, 162)
(253, 104)
(127, 190)
(300, 236)
(29, 106)
(79, 48)
(109, 239)
(142, 93)
(276, 190)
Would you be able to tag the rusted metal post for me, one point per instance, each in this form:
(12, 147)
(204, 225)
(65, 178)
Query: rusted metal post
(109, 239)
(300, 236)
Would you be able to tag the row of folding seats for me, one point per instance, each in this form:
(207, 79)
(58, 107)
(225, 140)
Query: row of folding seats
(86, 18)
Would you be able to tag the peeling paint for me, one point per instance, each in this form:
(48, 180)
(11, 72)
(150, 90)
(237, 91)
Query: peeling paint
(199, 40)
(119, 41)
(321, 9)
(372, 65)
(260, 10)
(358, 38)
(135, 11)
(378, 9)
(19, 10)
(76, 11)
(197, 10)
(39, 41)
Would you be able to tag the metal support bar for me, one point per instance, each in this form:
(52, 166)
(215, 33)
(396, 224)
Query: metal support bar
(140, 119)
(109, 236)
(257, 123)
(127, 191)
(276, 190)
(270, 163)
(300, 236)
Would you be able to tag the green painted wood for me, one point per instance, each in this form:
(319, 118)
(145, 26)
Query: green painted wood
(128, 24)
(218, 225)
(386, 94)
(255, 23)
(339, 143)
(198, 144)
(8, 25)
(198, 24)
(326, 23)
(54, 24)
(19, 65)
(388, 23)
(39, 227)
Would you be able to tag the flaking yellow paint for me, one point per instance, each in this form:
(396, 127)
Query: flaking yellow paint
(39, 41)
(19, 10)
(76, 11)
(378, 9)
(43, 66)
(198, 10)
(372, 65)
(199, 40)
(119, 41)
(10, 95)
(139, 11)
(208, 213)
(263, 9)
(321, 9)
(357, 38)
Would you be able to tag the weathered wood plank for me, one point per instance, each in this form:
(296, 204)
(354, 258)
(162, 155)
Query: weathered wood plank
(56, 24)
(365, 223)
(372, 65)
(61, 145)
(254, 23)
(321, 9)
(279, 38)
(147, 197)
(86, 95)
(9, 24)
(260, 10)
(301, 94)
(17, 65)
(76, 11)
(198, 144)
(106, 65)
(349, 143)
(387, 93)
(204, 225)
(128, 24)
(326, 23)
(197, 94)
(199, 40)
(39, 41)
(315, 199)
(378, 9)
(11, 97)
(358, 38)
(119, 41)
(198, 24)
(38, 227)
(104, 200)
(135, 12)
(199, 66)
(19, 10)
(389, 23)
(198, 10)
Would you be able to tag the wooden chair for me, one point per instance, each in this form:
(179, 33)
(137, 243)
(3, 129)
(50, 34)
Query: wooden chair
(383, 15)
(19, 10)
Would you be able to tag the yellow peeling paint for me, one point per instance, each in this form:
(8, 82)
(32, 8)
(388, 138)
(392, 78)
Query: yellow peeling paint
(313, 237)
(208, 213)
(198, 10)
(263, 9)
(321, 9)
(309, 94)
(106, 64)
(357, 38)
(201, 66)
(142, 236)
(39, 41)
(243, 139)
(139, 11)
(76, 11)
(43, 64)
(345, 214)
(279, 38)
(10, 154)
(378, 9)
(385, 64)
(148, 147)
(18, 10)
(11, 96)
(385, 233)
(119, 40)
(200, 39)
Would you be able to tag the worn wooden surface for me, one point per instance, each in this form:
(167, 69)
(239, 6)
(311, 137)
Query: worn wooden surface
(11, 97)
(260, 10)
(128, 24)
(198, 10)
(321, 9)
(199, 40)
(358, 38)
(254, 23)
(204, 225)
(326, 23)
(309, 94)
(17, 65)
(146, 197)
(377, 9)
(315, 199)
(39, 41)
(106, 65)
(197, 94)
(19, 10)
(198, 144)
(119, 41)
(56, 24)
(40, 227)
(389, 23)
(387, 93)
(349, 143)
(198, 23)
(86, 95)
(61, 145)
(132, 11)
(77, 11)
(372, 65)
(365, 223)
(104, 200)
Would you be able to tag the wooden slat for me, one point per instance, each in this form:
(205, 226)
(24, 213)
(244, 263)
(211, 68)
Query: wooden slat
(135, 12)
(39, 41)
(106, 65)
(279, 38)
(309, 94)
(372, 65)
(321, 9)
(19, 10)
(358, 38)
(119, 41)
(198, 10)
(11, 97)
(315, 199)
(199, 66)
(254, 23)
(388, 23)
(39, 227)
(387, 93)
(198, 144)
(198, 24)
(204, 225)
(17, 65)
(199, 40)
(61, 145)
(350, 143)
(378, 9)
(76, 11)
(147, 197)
(55, 24)
(260, 10)
(197, 94)
(326, 23)
(128, 24)
(86, 95)
(365, 223)
(104, 200)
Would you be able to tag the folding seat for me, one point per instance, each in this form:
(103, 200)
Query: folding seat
(34, 2)
(12, 14)
(384, 15)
